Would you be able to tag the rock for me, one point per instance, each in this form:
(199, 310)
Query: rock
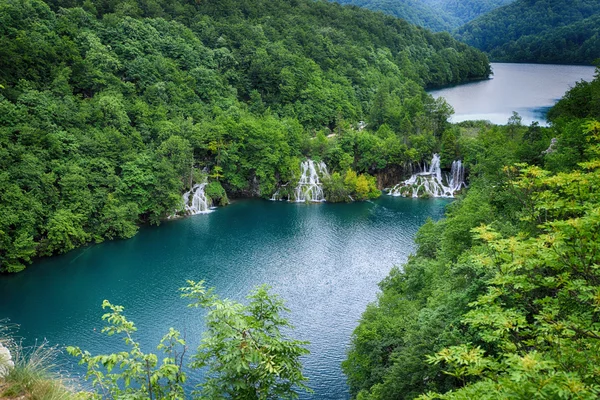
(6, 362)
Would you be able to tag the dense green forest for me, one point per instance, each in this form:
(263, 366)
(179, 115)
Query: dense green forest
(543, 31)
(501, 298)
(110, 110)
(437, 15)
(466, 10)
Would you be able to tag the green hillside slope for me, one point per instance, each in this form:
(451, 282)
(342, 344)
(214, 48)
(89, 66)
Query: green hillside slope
(466, 10)
(500, 300)
(547, 31)
(109, 112)
(437, 15)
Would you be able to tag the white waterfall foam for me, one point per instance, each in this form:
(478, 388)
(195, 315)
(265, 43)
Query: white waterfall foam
(309, 188)
(457, 176)
(430, 181)
(199, 203)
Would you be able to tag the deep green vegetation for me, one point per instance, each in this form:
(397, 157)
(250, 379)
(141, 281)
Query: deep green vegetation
(466, 10)
(437, 15)
(582, 101)
(542, 31)
(414, 11)
(501, 298)
(110, 110)
(243, 351)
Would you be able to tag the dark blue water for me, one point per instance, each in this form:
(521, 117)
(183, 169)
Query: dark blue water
(325, 260)
(528, 89)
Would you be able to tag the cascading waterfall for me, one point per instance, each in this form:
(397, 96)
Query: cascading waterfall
(309, 187)
(199, 203)
(457, 176)
(430, 181)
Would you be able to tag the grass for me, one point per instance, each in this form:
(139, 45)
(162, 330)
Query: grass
(34, 376)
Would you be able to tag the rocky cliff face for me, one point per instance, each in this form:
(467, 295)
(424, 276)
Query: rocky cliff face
(6, 362)
(391, 175)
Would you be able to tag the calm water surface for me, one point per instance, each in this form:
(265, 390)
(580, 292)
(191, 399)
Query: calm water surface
(325, 260)
(529, 89)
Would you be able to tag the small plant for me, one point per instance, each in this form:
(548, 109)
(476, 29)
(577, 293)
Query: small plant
(244, 353)
(34, 374)
(137, 374)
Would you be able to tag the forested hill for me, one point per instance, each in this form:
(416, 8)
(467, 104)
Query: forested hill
(500, 300)
(545, 31)
(437, 15)
(110, 111)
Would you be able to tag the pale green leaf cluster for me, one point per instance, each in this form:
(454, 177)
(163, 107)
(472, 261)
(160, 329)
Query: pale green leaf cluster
(243, 350)
(134, 374)
(540, 315)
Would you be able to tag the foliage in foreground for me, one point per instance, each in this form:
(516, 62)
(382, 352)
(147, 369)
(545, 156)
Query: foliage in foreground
(537, 321)
(243, 352)
(34, 374)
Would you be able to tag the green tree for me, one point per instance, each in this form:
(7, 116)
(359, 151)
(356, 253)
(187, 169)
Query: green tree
(244, 349)
(65, 231)
(134, 374)
(246, 354)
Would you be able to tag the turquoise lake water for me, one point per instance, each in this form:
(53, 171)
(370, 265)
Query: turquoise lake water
(325, 260)
(528, 89)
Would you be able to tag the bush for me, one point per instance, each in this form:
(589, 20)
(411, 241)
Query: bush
(216, 193)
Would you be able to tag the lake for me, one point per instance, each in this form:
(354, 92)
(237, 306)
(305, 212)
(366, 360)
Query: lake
(325, 260)
(529, 89)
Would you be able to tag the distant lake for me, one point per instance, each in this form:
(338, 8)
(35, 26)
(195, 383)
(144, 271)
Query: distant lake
(325, 260)
(529, 89)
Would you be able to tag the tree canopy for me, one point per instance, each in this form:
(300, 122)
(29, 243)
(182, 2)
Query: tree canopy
(543, 31)
(500, 299)
(110, 110)
(437, 15)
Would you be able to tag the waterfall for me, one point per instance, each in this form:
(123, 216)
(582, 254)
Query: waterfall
(309, 188)
(199, 203)
(457, 176)
(429, 181)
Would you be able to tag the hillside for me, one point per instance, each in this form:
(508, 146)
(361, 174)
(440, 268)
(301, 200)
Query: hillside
(464, 11)
(499, 300)
(545, 31)
(414, 11)
(437, 15)
(109, 112)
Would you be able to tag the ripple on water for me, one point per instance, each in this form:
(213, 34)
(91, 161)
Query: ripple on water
(325, 260)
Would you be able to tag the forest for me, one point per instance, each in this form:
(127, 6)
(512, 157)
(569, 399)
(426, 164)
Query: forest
(524, 31)
(543, 31)
(437, 15)
(501, 298)
(499, 301)
(110, 110)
